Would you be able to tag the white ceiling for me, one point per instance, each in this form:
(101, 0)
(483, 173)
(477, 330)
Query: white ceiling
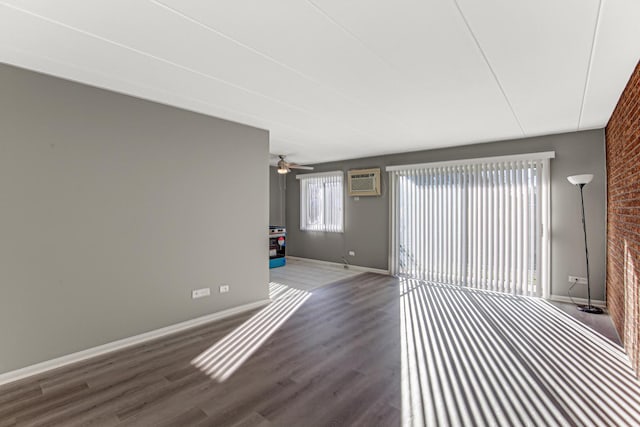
(337, 79)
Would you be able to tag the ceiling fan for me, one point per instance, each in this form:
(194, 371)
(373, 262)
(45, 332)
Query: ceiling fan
(285, 167)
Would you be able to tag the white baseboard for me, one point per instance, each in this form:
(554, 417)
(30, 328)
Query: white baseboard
(79, 356)
(351, 267)
(581, 301)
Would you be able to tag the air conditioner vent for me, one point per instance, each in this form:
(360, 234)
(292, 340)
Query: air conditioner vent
(364, 182)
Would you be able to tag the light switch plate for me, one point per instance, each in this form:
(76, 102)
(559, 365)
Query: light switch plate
(199, 293)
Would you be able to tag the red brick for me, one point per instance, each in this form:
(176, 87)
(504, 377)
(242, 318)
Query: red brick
(623, 217)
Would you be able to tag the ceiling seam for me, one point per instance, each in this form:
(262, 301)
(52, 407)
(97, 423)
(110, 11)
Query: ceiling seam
(274, 60)
(587, 79)
(132, 83)
(493, 72)
(381, 58)
(351, 34)
(186, 98)
(166, 61)
(149, 55)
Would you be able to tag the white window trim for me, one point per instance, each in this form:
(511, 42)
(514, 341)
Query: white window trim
(545, 243)
(305, 176)
(319, 174)
(517, 157)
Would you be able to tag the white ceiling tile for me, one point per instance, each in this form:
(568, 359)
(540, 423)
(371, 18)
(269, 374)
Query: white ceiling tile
(341, 79)
(540, 54)
(237, 67)
(438, 72)
(301, 39)
(616, 53)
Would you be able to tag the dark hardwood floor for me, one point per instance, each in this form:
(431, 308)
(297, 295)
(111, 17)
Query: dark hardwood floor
(335, 361)
(369, 350)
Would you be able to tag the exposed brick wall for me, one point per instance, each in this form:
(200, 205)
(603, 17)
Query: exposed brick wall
(623, 217)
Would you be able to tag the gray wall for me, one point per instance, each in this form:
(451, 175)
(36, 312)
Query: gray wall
(277, 185)
(112, 209)
(367, 220)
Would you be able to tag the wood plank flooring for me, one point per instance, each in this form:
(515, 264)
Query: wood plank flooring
(306, 275)
(334, 362)
(369, 350)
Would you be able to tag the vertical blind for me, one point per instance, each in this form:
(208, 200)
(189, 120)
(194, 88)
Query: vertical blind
(322, 201)
(477, 223)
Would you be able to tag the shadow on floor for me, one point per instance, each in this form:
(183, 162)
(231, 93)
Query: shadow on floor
(480, 358)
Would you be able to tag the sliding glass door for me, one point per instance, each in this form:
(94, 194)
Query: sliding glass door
(480, 223)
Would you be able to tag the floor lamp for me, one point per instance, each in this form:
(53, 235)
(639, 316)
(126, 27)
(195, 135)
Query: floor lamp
(581, 181)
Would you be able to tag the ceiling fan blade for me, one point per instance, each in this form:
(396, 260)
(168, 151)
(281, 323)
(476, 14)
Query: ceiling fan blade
(294, 166)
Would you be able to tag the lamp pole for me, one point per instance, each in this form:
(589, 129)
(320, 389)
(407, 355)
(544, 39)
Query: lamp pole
(587, 308)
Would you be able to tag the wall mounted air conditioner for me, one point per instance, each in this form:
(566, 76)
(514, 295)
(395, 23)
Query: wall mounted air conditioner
(364, 182)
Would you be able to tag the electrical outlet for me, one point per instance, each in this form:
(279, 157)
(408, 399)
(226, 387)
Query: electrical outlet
(199, 293)
(352, 253)
(224, 289)
(578, 280)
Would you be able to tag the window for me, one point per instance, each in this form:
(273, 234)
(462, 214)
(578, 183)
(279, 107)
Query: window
(321, 201)
(479, 223)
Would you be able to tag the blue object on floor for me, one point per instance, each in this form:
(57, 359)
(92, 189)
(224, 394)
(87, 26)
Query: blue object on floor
(277, 262)
(277, 244)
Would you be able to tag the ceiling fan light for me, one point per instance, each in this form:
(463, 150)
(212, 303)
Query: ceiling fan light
(282, 170)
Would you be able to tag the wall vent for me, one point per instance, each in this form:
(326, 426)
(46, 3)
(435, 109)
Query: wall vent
(364, 182)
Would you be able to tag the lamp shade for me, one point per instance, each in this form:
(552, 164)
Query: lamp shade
(580, 179)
